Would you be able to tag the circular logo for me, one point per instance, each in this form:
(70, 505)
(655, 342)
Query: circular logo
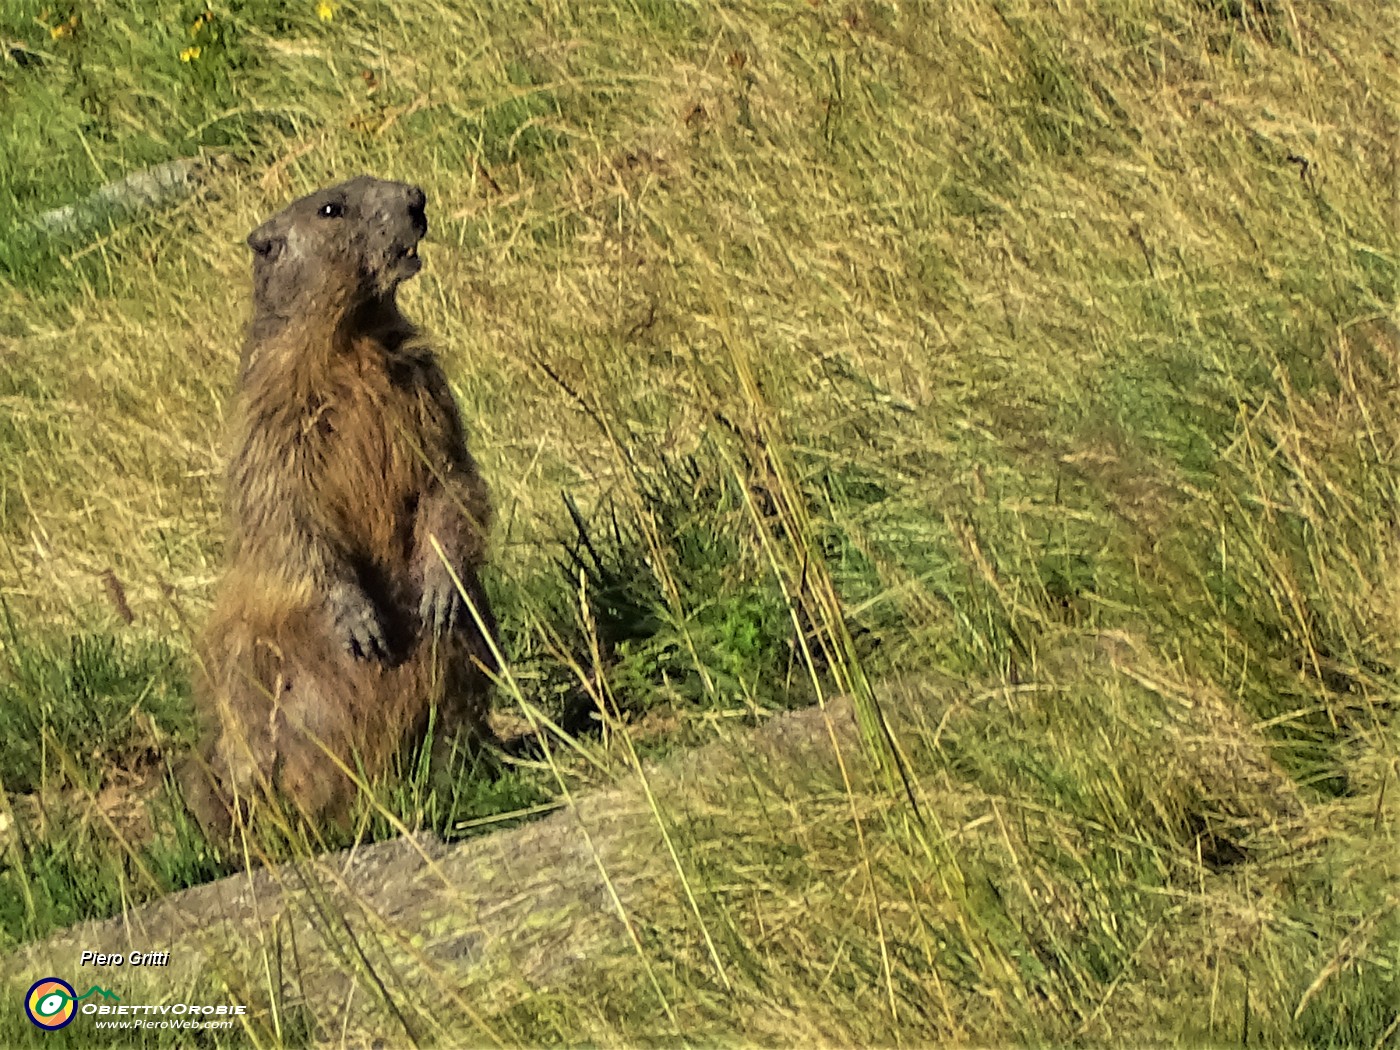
(50, 1003)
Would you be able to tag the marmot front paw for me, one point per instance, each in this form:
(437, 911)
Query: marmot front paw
(357, 623)
(441, 608)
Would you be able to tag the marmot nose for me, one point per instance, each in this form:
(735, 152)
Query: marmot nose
(417, 203)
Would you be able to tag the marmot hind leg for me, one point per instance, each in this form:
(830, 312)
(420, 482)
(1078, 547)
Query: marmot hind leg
(277, 711)
(205, 797)
(466, 662)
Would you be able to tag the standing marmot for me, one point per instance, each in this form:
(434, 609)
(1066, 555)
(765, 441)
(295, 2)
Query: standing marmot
(338, 627)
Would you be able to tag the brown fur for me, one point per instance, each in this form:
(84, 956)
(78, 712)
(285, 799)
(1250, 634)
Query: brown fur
(338, 627)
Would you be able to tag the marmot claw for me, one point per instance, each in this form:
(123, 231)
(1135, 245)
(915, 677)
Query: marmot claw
(441, 607)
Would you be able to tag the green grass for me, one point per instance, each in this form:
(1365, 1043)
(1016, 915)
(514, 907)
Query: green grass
(1027, 373)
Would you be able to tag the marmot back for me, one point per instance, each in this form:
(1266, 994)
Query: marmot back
(338, 627)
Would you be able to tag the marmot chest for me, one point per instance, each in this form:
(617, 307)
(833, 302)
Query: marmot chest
(378, 441)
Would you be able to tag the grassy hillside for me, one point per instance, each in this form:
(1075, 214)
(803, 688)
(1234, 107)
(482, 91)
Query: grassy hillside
(1028, 371)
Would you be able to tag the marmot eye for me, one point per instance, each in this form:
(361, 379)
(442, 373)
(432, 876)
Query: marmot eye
(331, 210)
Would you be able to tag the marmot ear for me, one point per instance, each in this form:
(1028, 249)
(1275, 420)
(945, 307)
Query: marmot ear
(265, 242)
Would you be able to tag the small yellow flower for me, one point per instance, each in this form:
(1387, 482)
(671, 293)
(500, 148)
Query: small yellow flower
(189, 54)
(64, 28)
(325, 10)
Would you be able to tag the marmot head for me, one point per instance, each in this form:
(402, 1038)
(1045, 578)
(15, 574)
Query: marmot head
(337, 248)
